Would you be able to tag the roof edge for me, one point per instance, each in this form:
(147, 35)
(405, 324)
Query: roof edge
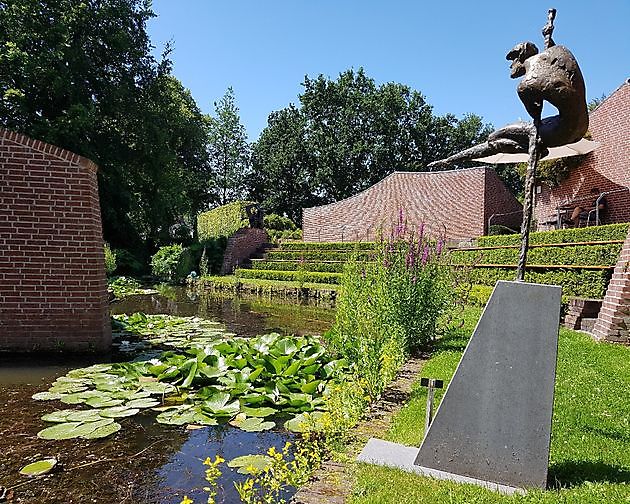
(46, 148)
(624, 83)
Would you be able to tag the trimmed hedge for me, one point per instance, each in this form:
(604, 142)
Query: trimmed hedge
(314, 246)
(296, 266)
(292, 276)
(314, 255)
(582, 255)
(587, 234)
(223, 221)
(578, 283)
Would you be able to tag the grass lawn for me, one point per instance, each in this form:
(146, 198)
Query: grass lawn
(590, 447)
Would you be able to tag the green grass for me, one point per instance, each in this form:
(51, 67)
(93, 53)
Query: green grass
(590, 447)
(232, 281)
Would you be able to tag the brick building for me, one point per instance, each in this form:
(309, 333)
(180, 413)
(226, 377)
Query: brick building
(458, 202)
(606, 169)
(53, 290)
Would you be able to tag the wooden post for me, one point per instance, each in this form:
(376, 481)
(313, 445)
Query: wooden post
(432, 384)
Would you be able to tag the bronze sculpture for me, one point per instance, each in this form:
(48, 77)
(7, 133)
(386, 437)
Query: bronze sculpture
(553, 76)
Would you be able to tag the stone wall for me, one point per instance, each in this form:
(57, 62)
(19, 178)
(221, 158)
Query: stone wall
(458, 202)
(240, 247)
(613, 322)
(53, 290)
(607, 168)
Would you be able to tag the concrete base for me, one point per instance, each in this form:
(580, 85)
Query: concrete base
(493, 425)
(385, 453)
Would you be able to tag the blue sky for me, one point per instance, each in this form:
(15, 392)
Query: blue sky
(452, 51)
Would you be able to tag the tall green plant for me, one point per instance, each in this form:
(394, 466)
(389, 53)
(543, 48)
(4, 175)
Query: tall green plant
(391, 306)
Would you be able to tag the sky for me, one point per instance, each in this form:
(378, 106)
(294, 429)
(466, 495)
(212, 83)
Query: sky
(452, 51)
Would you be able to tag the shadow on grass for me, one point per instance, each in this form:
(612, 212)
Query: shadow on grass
(608, 433)
(570, 474)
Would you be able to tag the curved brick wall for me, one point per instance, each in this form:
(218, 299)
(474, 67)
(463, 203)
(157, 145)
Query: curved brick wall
(53, 291)
(458, 201)
(606, 168)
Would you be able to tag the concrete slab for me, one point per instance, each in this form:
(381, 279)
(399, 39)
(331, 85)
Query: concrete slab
(494, 422)
(386, 453)
(493, 426)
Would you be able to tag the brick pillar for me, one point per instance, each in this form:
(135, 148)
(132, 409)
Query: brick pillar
(613, 322)
(240, 246)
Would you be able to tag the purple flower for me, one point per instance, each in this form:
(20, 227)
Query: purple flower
(420, 232)
(386, 264)
(425, 255)
(440, 245)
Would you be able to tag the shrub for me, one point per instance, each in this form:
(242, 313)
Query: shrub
(498, 229)
(276, 236)
(110, 260)
(587, 234)
(278, 223)
(166, 262)
(223, 221)
(390, 307)
(128, 264)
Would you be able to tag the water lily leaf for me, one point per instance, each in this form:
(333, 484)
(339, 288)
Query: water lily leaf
(258, 412)
(71, 430)
(218, 405)
(80, 397)
(292, 369)
(255, 374)
(178, 415)
(203, 419)
(118, 412)
(38, 468)
(103, 402)
(146, 402)
(84, 416)
(299, 399)
(252, 424)
(305, 422)
(250, 464)
(103, 431)
(310, 388)
(47, 396)
(67, 388)
(191, 375)
(60, 416)
(286, 346)
(157, 388)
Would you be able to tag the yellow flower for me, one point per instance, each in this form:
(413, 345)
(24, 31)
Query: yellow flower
(187, 500)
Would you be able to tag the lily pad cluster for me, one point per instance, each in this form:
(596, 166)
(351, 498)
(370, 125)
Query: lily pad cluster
(164, 330)
(242, 381)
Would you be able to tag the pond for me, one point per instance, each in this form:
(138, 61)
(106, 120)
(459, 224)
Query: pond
(145, 462)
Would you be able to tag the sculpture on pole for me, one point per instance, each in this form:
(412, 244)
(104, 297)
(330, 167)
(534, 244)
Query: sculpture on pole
(553, 76)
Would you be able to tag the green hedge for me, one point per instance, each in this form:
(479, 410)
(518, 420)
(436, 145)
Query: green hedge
(582, 255)
(314, 246)
(297, 265)
(578, 283)
(223, 221)
(314, 255)
(587, 234)
(295, 276)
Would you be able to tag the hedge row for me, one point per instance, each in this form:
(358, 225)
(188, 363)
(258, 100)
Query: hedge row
(223, 221)
(314, 255)
(297, 265)
(579, 283)
(292, 276)
(314, 246)
(573, 235)
(582, 255)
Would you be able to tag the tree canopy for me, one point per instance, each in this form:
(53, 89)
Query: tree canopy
(348, 134)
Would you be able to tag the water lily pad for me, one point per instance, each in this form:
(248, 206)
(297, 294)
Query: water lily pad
(258, 412)
(142, 403)
(38, 468)
(103, 402)
(250, 464)
(60, 416)
(103, 431)
(84, 416)
(70, 430)
(305, 422)
(252, 424)
(177, 416)
(118, 412)
(79, 397)
(157, 388)
(47, 396)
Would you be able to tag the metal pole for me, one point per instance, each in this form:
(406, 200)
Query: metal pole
(527, 204)
(429, 414)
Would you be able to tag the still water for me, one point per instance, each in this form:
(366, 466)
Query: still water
(145, 462)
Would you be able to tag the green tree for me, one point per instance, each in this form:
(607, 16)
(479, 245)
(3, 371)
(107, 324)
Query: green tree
(229, 150)
(80, 75)
(283, 166)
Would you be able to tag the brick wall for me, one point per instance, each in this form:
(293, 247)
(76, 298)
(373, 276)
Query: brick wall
(456, 201)
(240, 246)
(613, 322)
(53, 291)
(607, 168)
